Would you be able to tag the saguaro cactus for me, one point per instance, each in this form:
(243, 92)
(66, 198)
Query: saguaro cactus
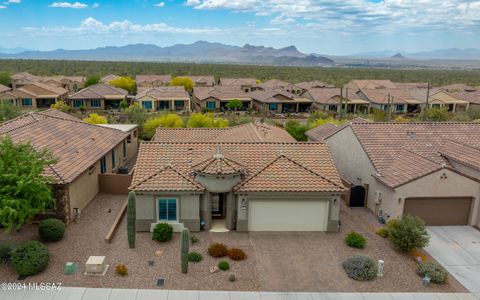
(131, 218)
(184, 248)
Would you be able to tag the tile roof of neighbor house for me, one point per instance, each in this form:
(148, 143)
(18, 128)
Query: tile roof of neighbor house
(250, 132)
(280, 167)
(332, 96)
(220, 92)
(38, 90)
(471, 97)
(320, 133)
(24, 76)
(370, 84)
(77, 145)
(151, 78)
(397, 96)
(272, 96)
(164, 92)
(108, 78)
(402, 152)
(99, 91)
(4, 88)
(314, 84)
(208, 80)
(278, 84)
(457, 87)
(435, 94)
(237, 81)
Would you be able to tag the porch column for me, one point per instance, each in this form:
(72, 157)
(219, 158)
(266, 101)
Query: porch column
(298, 105)
(172, 106)
(230, 211)
(454, 107)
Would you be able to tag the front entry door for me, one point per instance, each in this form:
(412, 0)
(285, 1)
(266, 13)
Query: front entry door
(218, 206)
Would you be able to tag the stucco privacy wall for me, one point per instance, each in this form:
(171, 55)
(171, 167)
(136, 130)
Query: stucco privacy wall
(188, 211)
(243, 205)
(83, 189)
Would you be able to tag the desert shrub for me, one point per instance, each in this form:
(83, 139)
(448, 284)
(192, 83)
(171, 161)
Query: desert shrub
(408, 233)
(415, 253)
(378, 115)
(355, 240)
(30, 258)
(51, 230)
(195, 257)
(436, 114)
(121, 270)
(236, 254)
(297, 130)
(391, 223)
(223, 265)
(162, 232)
(436, 272)
(383, 232)
(360, 267)
(6, 251)
(217, 250)
(194, 239)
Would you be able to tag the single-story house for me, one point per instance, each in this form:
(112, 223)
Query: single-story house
(314, 84)
(328, 99)
(470, 96)
(275, 84)
(356, 85)
(23, 78)
(207, 80)
(245, 84)
(4, 88)
(237, 186)
(217, 97)
(164, 98)
(245, 133)
(71, 83)
(280, 101)
(98, 96)
(399, 101)
(439, 98)
(149, 81)
(35, 95)
(430, 170)
(84, 152)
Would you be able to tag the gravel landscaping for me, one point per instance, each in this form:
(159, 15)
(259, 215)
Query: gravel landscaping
(276, 261)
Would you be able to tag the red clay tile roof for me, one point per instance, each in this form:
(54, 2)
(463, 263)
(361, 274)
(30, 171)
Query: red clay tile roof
(4, 88)
(39, 89)
(314, 84)
(459, 152)
(370, 84)
(220, 92)
(322, 132)
(168, 179)
(202, 80)
(388, 144)
(99, 91)
(164, 92)
(250, 132)
(238, 81)
(471, 97)
(76, 144)
(218, 163)
(381, 95)
(292, 167)
(151, 78)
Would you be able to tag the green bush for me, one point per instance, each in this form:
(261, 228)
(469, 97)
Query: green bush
(6, 251)
(195, 257)
(223, 265)
(437, 114)
(355, 240)
(51, 230)
(436, 272)
(194, 239)
(360, 267)
(383, 232)
(297, 130)
(408, 233)
(162, 232)
(30, 258)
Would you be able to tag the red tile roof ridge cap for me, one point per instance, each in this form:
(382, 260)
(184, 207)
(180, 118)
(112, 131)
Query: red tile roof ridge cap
(242, 143)
(416, 122)
(460, 143)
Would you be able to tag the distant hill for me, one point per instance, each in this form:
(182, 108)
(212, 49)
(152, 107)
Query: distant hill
(200, 51)
(398, 56)
(445, 54)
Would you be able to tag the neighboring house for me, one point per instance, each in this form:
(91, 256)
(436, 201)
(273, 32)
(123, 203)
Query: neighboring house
(430, 170)
(246, 133)
(83, 151)
(328, 99)
(320, 133)
(217, 97)
(132, 141)
(237, 186)
(356, 85)
(150, 81)
(98, 96)
(35, 95)
(280, 101)
(465, 93)
(106, 79)
(23, 78)
(439, 98)
(71, 83)
(275, 84)
(314, 84)
(207, 80)
(399, 101)
(245, 84)
(163, 98)
(4, 88)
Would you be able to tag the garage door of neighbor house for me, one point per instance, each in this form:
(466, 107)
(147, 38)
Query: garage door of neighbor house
(440, 211)
(295, 215)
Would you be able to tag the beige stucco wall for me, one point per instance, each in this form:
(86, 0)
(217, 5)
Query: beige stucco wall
(83, 189)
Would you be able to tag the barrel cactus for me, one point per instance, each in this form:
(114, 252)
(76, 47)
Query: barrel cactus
(184, 248)
(131, 216)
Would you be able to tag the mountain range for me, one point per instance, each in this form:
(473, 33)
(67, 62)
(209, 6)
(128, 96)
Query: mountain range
(448, 54)
(200, 51)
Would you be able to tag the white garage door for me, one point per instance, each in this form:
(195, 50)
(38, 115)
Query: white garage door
(295, 215)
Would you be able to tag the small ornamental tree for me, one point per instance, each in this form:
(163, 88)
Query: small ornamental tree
(95, 119)
(408, 233)
(8, 111)
(167, 120)
(198, 120)
(61, 106)
(92, 80)
(186, 82)
(24, 192)
(234, 104)
(126, 83)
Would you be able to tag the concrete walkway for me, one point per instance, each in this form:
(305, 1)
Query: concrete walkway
(457, 248)
(132, 294)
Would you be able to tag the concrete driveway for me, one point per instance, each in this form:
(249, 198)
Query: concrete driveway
(457, 248)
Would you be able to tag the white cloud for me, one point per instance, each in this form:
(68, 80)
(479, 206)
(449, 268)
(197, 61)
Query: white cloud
(12, 2)
(92, 26)
(192, 2)
(76, 5)
(281, 20)
(2, 6)
(161, 4)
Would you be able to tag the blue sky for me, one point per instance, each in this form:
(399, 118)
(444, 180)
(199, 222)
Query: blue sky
(321, 26)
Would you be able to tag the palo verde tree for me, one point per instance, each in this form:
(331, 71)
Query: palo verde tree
(126, 83)
(234, 104)
(24, 192)
(186, 82)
